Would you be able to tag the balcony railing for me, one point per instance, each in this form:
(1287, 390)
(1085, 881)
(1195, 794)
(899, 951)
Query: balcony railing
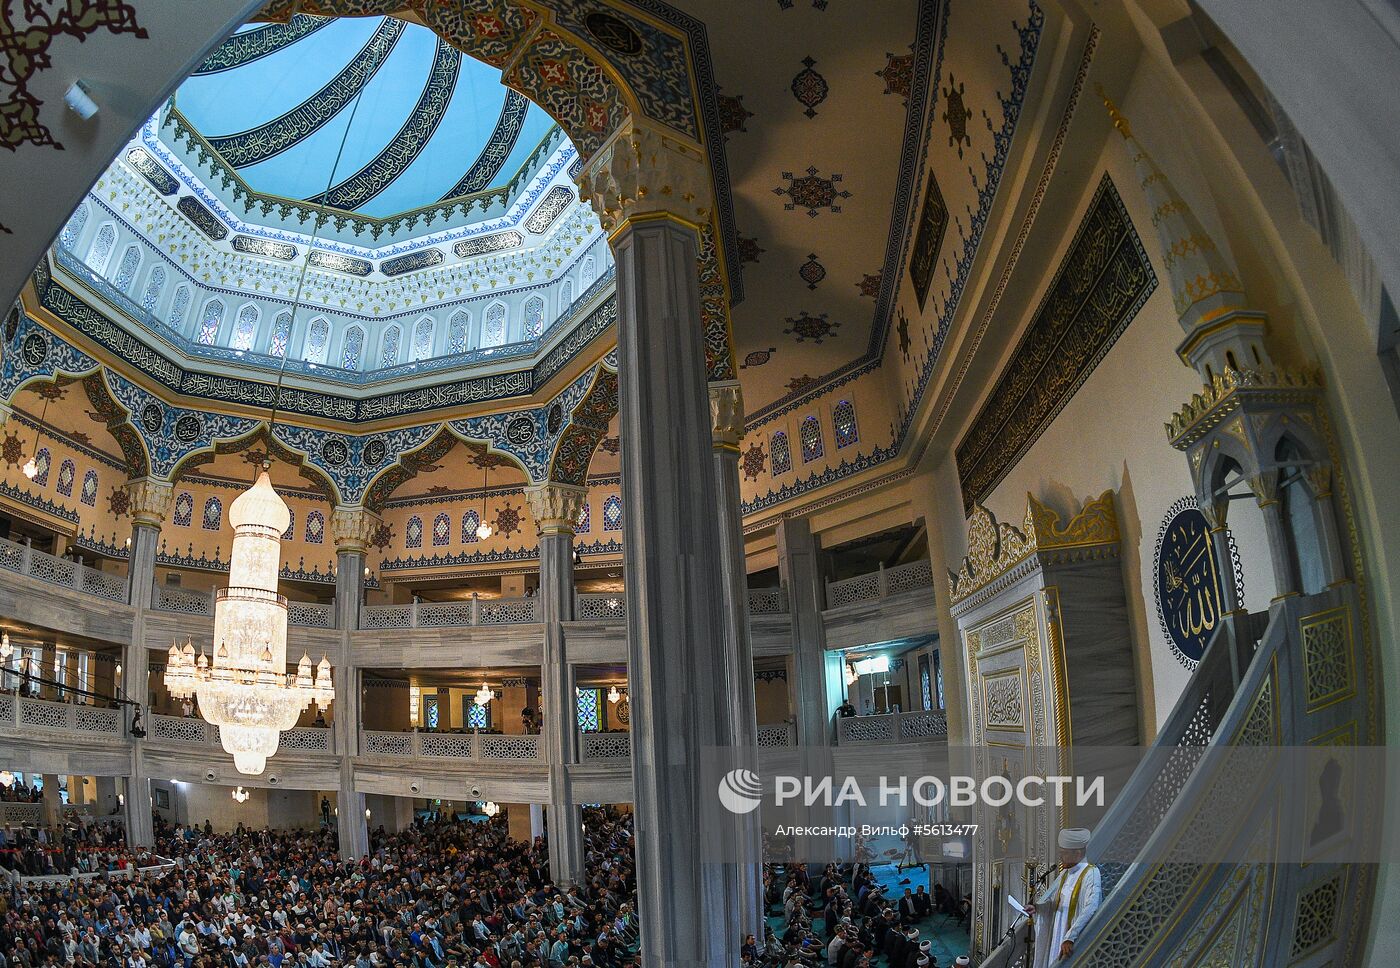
(768, 601)
(919, 726)
(488, 747)
(302, 614)
(439, 615)
(879, 584)
(605, 746)
(24, 560)
(600, 606)
(196, 732)
(21, 713)
(777, 735)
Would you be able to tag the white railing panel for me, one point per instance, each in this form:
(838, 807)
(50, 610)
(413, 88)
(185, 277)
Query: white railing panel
(600, 606)
(606, 746)
(94, 719)
(13, 556)
(453, 745)
(386, 744)
(776, 735)
(168, 599)
(18, 814)
(42, 712)
(907, 578)
(494, 746)
(386, 617)
(306, 739)
(862, 588)
(9, 706)
(923, 724)
(444, 615)
(508, 611)
(768, 601)
(866, 729)
(312, 615)
(880, 584)
(181, 729)
(102, 584)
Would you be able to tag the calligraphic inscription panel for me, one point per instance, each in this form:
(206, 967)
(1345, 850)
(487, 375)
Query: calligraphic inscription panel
(1190, 581)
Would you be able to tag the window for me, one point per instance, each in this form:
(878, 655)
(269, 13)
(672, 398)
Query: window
(781, 455)
(315, 527)
(534, 317)
(42, 460)
(843, 421)
(213, 518)
(178, 307)
(493, 332)
(423, 339)
(811, 431)
(589, 720)
(585, 275)
(126, 269)
(584, 520)
(442, 530)
(350, 349)
(389, 347)
(246, 327)
(566, 296)
(612, 513)
(101, 252)
(477, 717)
(457, 328)
(470, 522)
(73, 231)
(281, 335)
(88, 495)
(430, 705)
(291, 531)
(318, 340)
(184, 509)
(413, 534)
(925, 683)
(67, 474)
(209, 324)
(155, 285)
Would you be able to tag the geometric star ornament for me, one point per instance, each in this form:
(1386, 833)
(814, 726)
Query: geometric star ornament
(812, 192)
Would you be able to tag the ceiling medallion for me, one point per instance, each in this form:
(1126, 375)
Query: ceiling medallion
(811, 271)
(805, 326)
(758, 358)
(809, 87)
(811, 192)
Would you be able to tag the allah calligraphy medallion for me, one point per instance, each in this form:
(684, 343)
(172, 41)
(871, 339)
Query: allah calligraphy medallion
(1190, 581)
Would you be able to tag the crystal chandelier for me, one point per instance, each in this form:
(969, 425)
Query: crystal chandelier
(7, 779)
(245, 690)
(240, 795)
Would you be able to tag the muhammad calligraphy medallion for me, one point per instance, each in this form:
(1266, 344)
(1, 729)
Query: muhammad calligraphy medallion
(1190, 581)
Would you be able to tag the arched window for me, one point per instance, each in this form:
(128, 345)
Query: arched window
(73, 231)
(315, 527)
(589, 720)
(351, 348)
(210, 322)
(88, 495)
(413, 534)
(457, 328)
(585, 522)
(318, 340)
(612, 513)
(281, 335)
(126, 269)
(389, 347)
(811, 431)
(184, 509)
(442, 530)
(470, 522)
(493, 331)
(843, 421)
(291, 531)
(780, 453)
(67, 474)
(478, 717)
(42, 460)
(213, 518)
(101, 252)
(423, 339)
(155, 285)
(566, 296)
(534, 317)
(178, 307)
(585, 275)
(246, 328)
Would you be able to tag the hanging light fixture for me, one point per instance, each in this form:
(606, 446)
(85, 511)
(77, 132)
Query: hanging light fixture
(483, 695)
(241, 795)
(245, 690)
(7, 779)
(31, 466)
(6, 649)
(490, 808)
(483, 530)
(614, 695)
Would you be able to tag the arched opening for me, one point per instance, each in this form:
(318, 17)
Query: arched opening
(1300, 510)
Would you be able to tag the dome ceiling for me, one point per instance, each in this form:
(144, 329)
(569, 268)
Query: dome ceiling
(367, 115)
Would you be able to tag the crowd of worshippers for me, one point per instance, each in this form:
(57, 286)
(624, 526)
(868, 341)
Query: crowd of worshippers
(444, 892)
(18, 792)
(846, 920)
(74, 848)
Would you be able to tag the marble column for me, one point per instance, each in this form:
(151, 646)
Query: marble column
(651, 194)
(150, 503)
(727, 429)
(1265, 488)
(351, 529)
(817, 676)
(555, 508)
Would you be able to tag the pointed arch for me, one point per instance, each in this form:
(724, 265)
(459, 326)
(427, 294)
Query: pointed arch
(586, 274)
(105, 410)
(780, 453)
(127, 268)
(534, 317)
(318, 341)
(73, 229)
(410, 463)
(213, 517)
(155, 287)
(315, 527)
(352, 348)
(184, 509)
(245, 327)
(566, 296)
(209, 323)
(67, 474)
(493, 325)
(588, 424)
(281, 334)
(470, 522)
(43, 460)
(389, 345)
(422, 347)
(100, 253)
(178, 307)
(276, 450)
(458, 327)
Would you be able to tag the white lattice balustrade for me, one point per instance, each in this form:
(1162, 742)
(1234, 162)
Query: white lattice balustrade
(923, 724)
(859, 589)
(867, 729)
(310, 615)
(508, 611)
(497, 747)
(767, 601)
(40, 712)
(9, 702)
(601, 606)
(309, 739)
(387, 744)
(386, 617)
(880, 584)
(179, 729)
(607, 746)
(444, 615)
(102, 584)
(455, 745)
(90, 719)
(775, 735)
(188, 603)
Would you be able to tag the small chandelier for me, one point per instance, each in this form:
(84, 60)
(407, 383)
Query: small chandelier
(245, 690)
(31, 466)
(483, 530)
(484, 695)
(6, 649)
(7, 779)
(614, 695)
(241, 795)
(490, 808)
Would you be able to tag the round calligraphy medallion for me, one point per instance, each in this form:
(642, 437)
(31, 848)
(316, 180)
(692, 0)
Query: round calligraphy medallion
(520, 430)
(374, 452)
(34, 350)
(613, 33)
(1190, 581)
(556, 419)
(335, 452)
(152, 418)
(188, 429)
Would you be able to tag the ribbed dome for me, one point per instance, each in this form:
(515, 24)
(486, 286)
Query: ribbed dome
(260, 505)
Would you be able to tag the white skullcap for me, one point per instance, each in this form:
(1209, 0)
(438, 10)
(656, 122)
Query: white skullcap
(925, 945)
(963, 960)
(1074, 838)
(921, 961)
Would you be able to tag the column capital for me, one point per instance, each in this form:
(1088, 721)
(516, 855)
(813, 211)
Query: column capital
(556, 507)
(352, 528)
(642, 173)
(726, 414)
(150, 500)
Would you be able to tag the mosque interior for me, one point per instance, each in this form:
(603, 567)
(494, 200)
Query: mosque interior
(437, 430)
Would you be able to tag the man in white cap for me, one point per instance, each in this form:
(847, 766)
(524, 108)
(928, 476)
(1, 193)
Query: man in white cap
(963, 961)
(1068, 902)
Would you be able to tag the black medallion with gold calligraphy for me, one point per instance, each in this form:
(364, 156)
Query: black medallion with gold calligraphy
(1190, 581)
